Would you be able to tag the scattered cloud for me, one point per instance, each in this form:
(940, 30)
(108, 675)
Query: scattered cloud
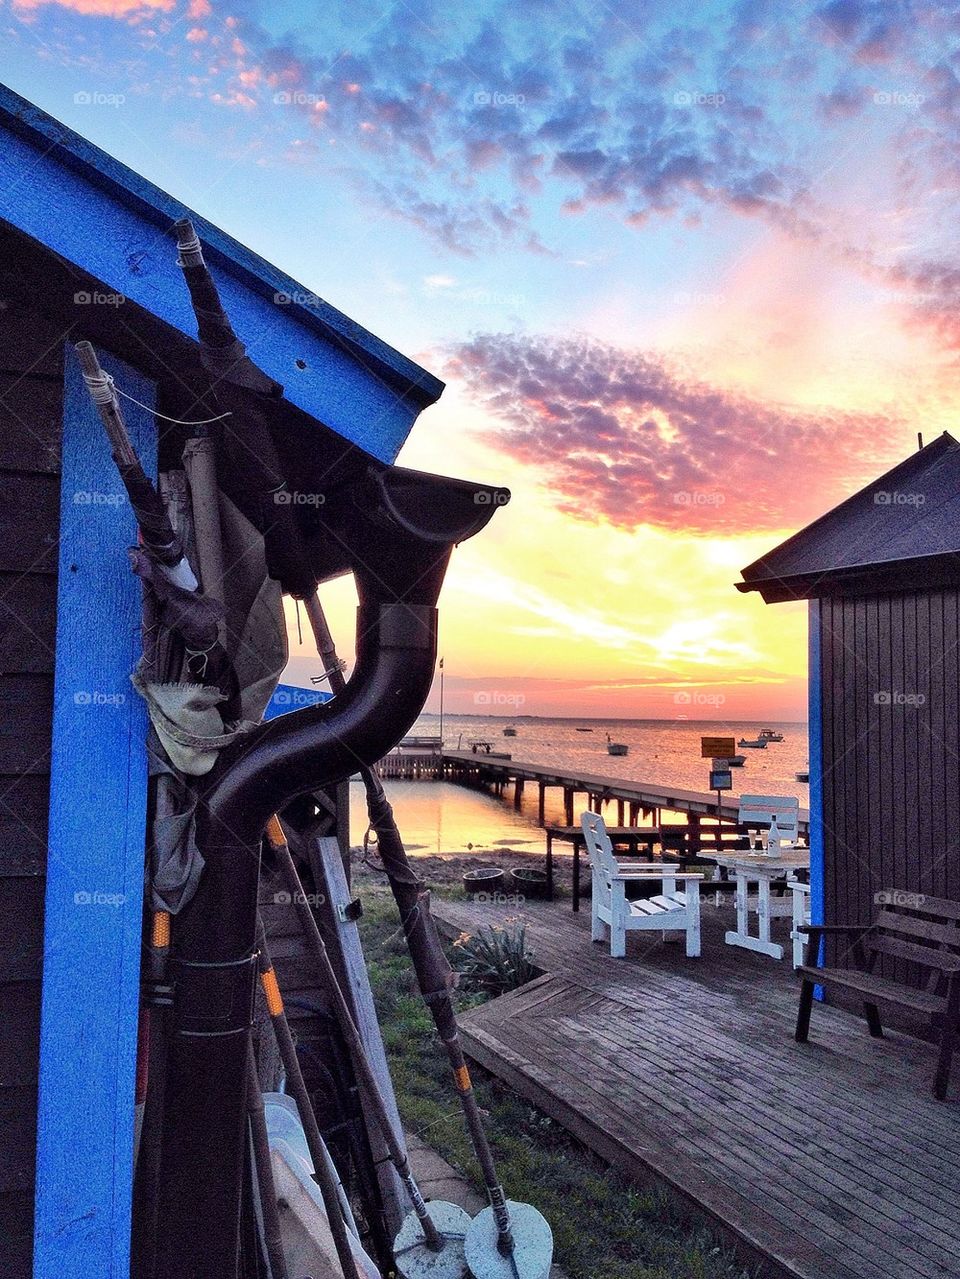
(626, 438)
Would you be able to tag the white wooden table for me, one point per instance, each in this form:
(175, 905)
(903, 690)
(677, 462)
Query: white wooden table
(761, 869)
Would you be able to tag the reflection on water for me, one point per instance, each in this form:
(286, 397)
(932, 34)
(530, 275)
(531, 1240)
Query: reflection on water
(438, 817)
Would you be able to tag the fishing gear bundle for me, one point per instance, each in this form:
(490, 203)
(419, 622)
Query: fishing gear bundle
(204, 1180)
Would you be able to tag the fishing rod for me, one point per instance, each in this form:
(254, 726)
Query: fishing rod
(432, 1237)
(433, 972)
(322, 1173)
(262, 1167)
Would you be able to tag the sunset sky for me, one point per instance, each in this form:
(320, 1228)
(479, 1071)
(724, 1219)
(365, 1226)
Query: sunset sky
(688, 270)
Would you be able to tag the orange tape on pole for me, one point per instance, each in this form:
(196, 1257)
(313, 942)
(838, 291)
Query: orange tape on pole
(462, 1076)
(275, 833)
(272, 992)
(160, 930)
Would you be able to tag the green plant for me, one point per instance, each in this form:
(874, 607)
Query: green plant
(604, 1227)
(494, 960)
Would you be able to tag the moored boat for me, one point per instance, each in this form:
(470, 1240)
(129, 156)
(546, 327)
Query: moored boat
(757, 744)
(770, 735)
(616, 748)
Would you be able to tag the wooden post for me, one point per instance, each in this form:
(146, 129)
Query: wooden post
(568, 805)
(518, 793)
(634, 813)
(619, 812)
(693, 832)
(94, 888)
(541, 801)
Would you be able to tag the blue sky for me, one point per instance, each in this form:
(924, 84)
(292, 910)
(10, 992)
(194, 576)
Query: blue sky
(689, 272)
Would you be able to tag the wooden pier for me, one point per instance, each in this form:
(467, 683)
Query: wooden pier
(634, 800)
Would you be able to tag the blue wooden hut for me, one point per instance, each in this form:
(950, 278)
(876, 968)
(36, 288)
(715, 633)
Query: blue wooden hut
(881, 572)
(86, 253)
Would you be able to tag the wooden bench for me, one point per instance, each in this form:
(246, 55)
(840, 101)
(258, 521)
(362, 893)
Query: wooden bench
(909, 926)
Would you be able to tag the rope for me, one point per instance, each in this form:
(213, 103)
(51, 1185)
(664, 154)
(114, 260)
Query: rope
(189, 251)
(103, 388)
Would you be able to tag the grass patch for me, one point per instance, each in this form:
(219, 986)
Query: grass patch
(603, 1226)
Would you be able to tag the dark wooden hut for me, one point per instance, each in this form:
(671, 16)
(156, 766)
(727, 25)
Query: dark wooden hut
(86, 252)
(882, 574)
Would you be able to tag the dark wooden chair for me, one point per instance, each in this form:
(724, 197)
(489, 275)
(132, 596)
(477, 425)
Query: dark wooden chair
(909, 926)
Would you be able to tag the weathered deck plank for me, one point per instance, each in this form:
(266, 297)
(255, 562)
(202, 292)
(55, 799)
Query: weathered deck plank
(830, 1160)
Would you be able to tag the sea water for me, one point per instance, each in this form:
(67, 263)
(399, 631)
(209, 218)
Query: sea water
(439, 817)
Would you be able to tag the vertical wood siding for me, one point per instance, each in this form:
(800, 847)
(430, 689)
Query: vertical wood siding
(31, 382)
(891, 748)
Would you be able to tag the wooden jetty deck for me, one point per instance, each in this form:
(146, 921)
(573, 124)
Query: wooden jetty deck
(827, 1161)
(633, 799)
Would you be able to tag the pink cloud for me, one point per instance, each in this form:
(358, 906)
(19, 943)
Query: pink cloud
(99, 8)
(624, 438)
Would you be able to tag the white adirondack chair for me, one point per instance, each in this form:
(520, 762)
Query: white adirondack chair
(671, 911)
(756, 811)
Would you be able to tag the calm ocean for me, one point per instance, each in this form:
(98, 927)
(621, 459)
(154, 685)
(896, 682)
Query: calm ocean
(436, 817)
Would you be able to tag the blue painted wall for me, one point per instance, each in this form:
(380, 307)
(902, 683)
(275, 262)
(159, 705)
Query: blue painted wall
(115, 225)
(815, 730)
(94, 897)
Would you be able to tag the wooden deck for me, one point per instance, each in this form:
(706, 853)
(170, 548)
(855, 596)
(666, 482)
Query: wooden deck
(830, 1160)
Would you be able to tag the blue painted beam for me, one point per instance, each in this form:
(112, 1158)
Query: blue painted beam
(94, 896)
(815, 732)
(112, 223)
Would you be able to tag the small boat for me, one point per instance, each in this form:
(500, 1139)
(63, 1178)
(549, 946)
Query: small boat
(583, 730)
(616, 748)
(731, 761)
(803, 775)
(758, 743)
(509, 732)
(770, 735)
